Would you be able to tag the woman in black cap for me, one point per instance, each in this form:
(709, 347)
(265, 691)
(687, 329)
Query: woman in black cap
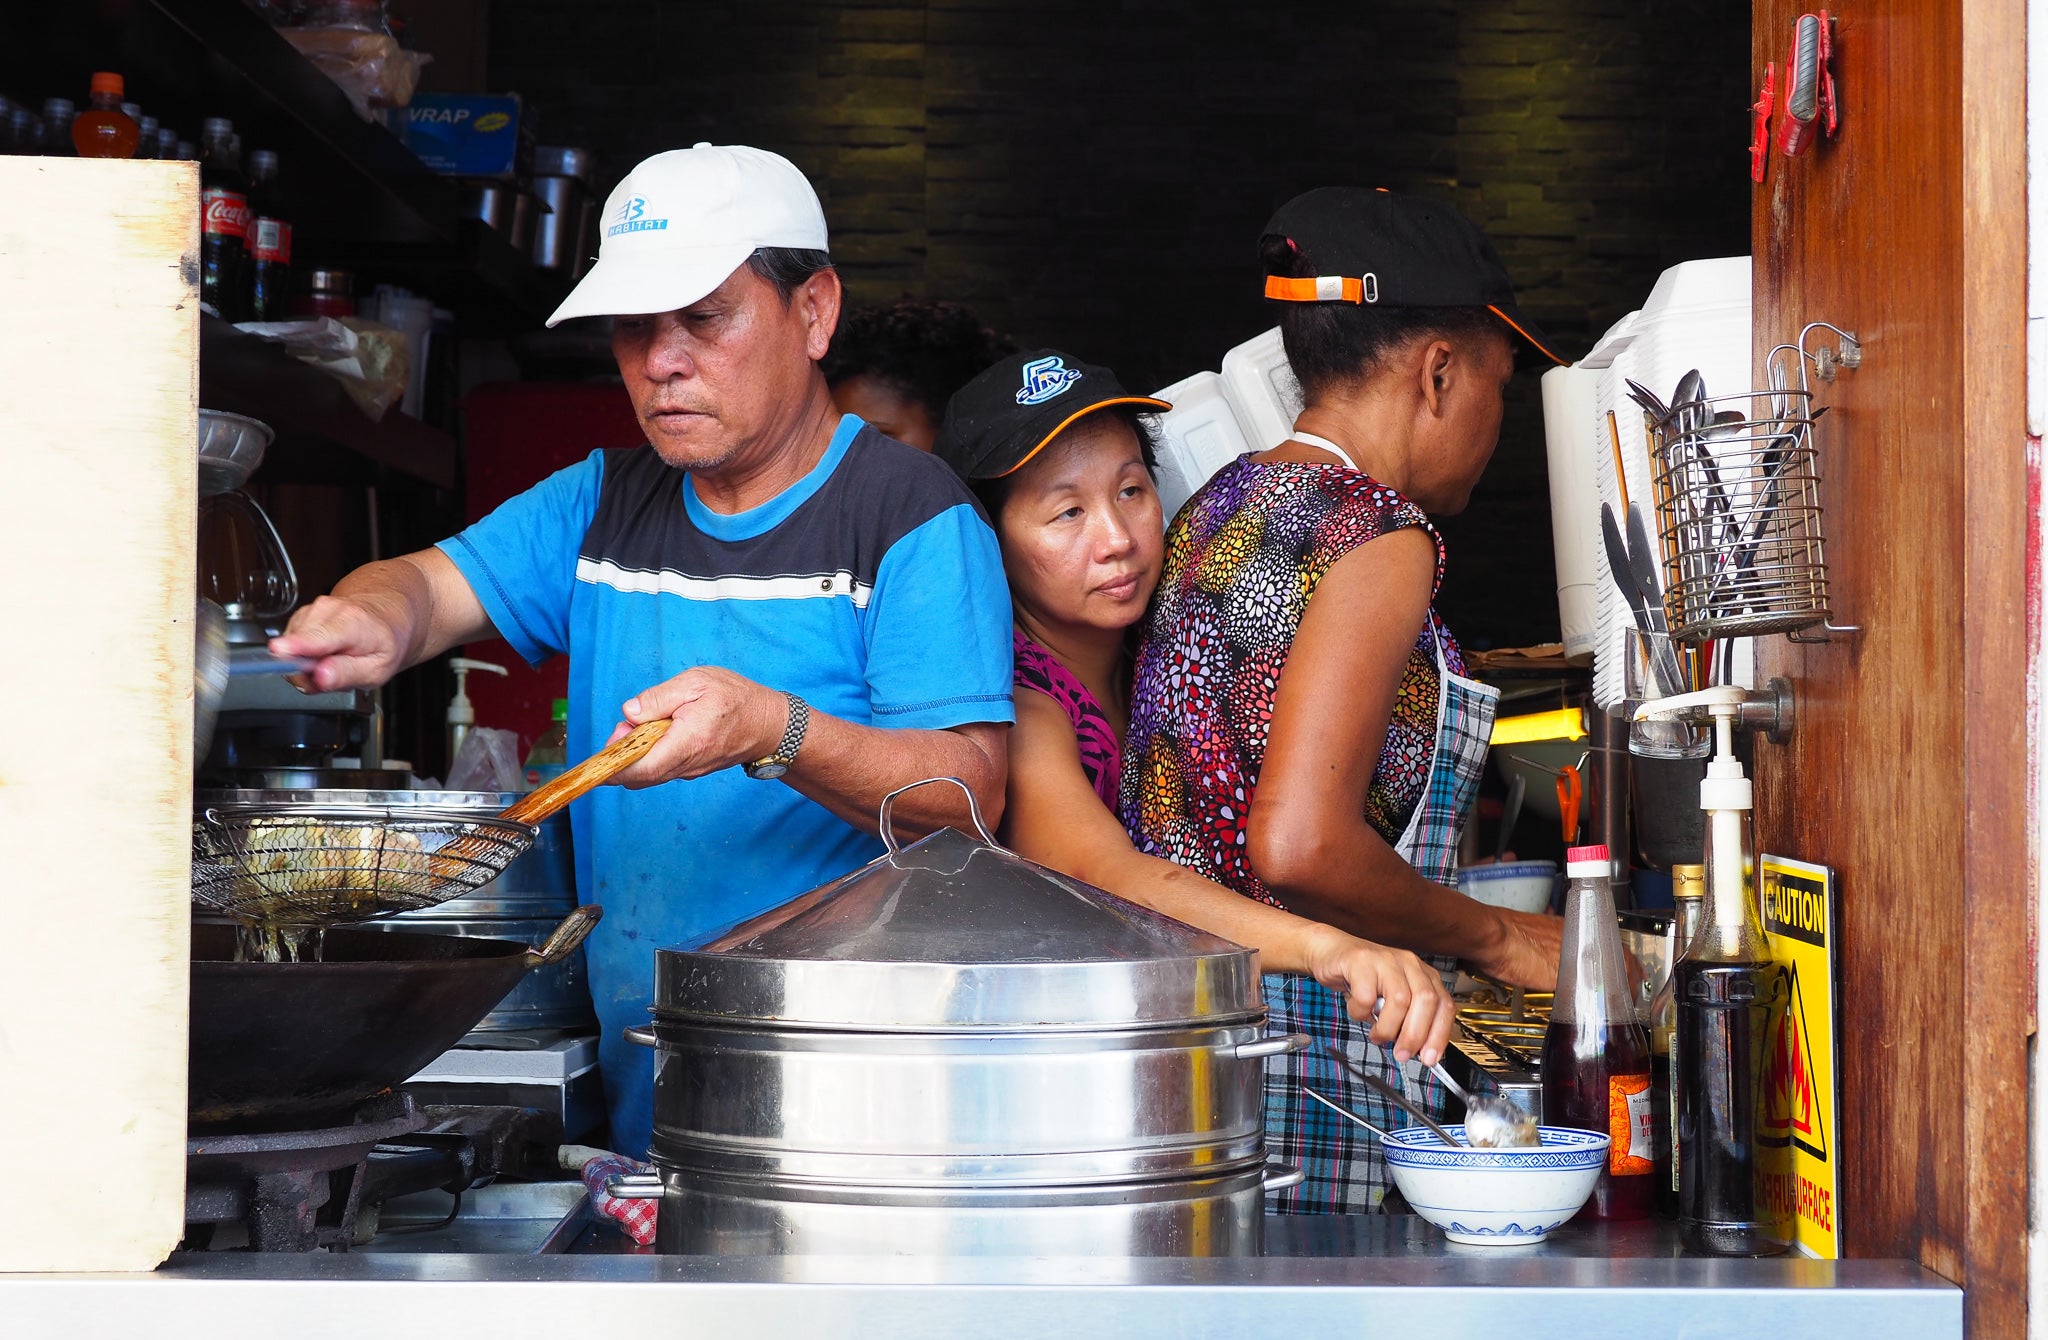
(1301, 729)
(1060, 457)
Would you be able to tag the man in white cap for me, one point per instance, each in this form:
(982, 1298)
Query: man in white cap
(820, 609)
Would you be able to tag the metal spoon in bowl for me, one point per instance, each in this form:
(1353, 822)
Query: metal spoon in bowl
(1492, 1122)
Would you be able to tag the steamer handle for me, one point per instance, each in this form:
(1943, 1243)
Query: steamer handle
(640, 1037)
(1274, 1046)
(1279, 1178)
(973, 808)
(643, 1186)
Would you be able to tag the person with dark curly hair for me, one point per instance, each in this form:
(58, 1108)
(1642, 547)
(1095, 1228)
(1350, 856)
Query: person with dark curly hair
(897, 366)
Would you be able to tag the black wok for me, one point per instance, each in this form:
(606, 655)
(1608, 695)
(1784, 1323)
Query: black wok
(283, 1045)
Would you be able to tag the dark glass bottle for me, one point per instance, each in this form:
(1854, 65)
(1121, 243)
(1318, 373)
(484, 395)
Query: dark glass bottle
(1688, 891)
(1596, 1054)
(1726, 989)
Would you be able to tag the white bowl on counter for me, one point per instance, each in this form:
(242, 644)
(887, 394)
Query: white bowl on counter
(1496, 1197)
(1519, 886)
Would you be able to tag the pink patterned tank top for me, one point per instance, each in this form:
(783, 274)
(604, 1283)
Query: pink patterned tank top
(1102, 757)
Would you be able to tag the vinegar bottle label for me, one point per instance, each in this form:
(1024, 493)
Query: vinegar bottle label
(1630, 1126)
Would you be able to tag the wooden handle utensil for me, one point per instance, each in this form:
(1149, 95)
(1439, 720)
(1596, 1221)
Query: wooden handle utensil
(586, 776)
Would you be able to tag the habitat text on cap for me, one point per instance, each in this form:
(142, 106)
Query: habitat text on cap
(684, 220)
(1004, 417)
(1380, 248)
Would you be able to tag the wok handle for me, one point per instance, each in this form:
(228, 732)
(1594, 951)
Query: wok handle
(1279, 1178)
(566, 937)
(592, 772)
(639, 1037)
(1274, 1046)
(889, 802)
(633, 1186)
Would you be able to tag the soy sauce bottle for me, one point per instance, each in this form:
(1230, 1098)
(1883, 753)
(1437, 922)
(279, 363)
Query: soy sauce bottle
(1688, 893)
(1726, 989)
(1596, 1054)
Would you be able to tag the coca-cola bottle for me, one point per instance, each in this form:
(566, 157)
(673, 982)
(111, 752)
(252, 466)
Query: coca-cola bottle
(270, 241)
(224, 222)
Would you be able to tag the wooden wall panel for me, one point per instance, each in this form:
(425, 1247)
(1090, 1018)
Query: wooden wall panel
(99, 357)
(1908, 770)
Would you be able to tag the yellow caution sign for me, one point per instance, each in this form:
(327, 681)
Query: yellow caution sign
(1801, 1111)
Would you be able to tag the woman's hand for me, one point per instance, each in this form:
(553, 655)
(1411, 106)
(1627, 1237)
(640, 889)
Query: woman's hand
(1415, 1011)
(1526, 952)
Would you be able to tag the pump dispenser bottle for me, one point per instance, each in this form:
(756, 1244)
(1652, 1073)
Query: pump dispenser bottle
(461, 712)
(1726, 988)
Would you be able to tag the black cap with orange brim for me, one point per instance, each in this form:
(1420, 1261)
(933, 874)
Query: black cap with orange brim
(1005, 416)
(1381, 248)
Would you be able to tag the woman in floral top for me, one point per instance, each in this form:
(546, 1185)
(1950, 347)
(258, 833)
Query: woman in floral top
(1061, 462)
(1301, 729)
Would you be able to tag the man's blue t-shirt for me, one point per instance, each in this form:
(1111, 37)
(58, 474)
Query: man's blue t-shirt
(872, 589)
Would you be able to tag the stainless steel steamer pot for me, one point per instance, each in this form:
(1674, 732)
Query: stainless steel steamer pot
(954, 1049)
(706, 1214)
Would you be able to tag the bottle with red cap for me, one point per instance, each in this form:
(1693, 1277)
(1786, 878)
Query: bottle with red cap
(1596, 1052)
(103, 129)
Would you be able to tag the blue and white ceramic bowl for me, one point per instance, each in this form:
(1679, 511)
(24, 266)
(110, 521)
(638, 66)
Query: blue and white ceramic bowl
(1496, 1197)
(1519, 886)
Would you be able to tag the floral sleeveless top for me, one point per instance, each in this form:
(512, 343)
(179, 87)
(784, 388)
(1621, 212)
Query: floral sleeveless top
(1102, 758)
(1242, 559)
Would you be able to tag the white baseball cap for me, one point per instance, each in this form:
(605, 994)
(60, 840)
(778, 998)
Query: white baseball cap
(684, 220)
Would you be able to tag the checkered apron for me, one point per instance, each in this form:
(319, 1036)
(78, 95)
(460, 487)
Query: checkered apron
(1346, 1173)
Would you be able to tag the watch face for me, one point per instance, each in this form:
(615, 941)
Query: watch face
(766, 771)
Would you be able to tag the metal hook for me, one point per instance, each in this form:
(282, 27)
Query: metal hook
(1828, 628)
(973, 809)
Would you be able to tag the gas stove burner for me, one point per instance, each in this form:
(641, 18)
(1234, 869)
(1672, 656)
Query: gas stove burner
(301, 1191)
(288, 1191)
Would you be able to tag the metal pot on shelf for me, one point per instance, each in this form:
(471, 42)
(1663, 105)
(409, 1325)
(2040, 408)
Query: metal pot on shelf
(955, 1051)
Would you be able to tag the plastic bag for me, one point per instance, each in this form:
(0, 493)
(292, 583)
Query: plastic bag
(370, 67)
(370, 360)
(487, 761)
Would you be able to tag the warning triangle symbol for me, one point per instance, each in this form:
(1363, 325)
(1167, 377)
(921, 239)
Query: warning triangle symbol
(1791, 1099)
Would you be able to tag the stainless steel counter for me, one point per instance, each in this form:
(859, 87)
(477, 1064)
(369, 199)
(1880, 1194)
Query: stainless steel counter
(1338, 1275)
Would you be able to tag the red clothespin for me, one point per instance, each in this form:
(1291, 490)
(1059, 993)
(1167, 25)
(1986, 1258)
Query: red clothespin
(1809, 85)
(1760, 138)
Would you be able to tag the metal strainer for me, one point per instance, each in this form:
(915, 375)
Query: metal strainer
(314, 866)
(323, 865)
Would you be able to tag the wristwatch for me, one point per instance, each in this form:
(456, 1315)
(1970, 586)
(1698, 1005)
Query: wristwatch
(769, 768)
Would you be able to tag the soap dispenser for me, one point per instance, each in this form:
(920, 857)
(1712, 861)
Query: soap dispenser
(1726, 989)
(461, 714)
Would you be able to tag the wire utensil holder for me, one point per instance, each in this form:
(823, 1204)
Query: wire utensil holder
(1738, 503)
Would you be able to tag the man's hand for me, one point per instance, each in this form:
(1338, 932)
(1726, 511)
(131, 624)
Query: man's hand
(382, 617)
(352, 643)
(1527, 952)
(722, 719)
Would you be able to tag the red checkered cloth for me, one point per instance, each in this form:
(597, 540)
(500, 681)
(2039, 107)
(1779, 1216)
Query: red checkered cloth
(637, 1217)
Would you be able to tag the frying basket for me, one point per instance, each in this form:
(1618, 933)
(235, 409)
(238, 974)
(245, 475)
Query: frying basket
(1738, 505)
(326, 865)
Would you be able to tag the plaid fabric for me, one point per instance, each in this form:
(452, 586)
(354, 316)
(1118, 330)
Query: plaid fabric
(1347, 1173)
(637, 1217)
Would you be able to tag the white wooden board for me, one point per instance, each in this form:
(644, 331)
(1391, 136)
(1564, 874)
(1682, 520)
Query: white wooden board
(99, 349)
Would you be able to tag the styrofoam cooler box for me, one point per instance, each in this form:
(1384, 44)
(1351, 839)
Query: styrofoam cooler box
(1262, 390)
(1568, 399)
(1197, 437)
